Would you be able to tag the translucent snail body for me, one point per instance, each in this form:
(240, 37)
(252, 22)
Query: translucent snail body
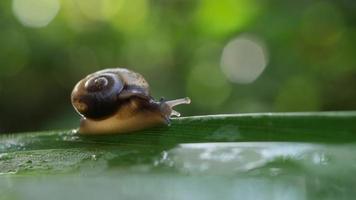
(118, 100)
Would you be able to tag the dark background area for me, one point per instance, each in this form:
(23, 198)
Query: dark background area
(229, 56)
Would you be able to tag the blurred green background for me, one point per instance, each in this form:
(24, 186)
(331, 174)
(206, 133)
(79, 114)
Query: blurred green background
(229, 56)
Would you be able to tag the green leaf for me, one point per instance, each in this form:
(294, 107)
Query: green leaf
(303, 154)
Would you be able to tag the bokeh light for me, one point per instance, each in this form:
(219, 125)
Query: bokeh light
(229, 56)
(131, 16)
(35, 13)
(244, 59)
(99, 10)
(225, 16)
(207, 86)
(151, 53)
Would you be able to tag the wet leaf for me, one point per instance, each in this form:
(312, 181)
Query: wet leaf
(294, 155)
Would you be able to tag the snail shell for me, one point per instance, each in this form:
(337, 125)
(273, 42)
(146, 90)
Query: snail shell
(118, 100)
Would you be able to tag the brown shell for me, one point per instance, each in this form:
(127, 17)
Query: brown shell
(100, 94)
(118, 100)
(133, 82)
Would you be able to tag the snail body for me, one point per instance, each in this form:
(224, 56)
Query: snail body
(118, 100)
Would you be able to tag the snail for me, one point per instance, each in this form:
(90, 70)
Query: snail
(118, 100)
